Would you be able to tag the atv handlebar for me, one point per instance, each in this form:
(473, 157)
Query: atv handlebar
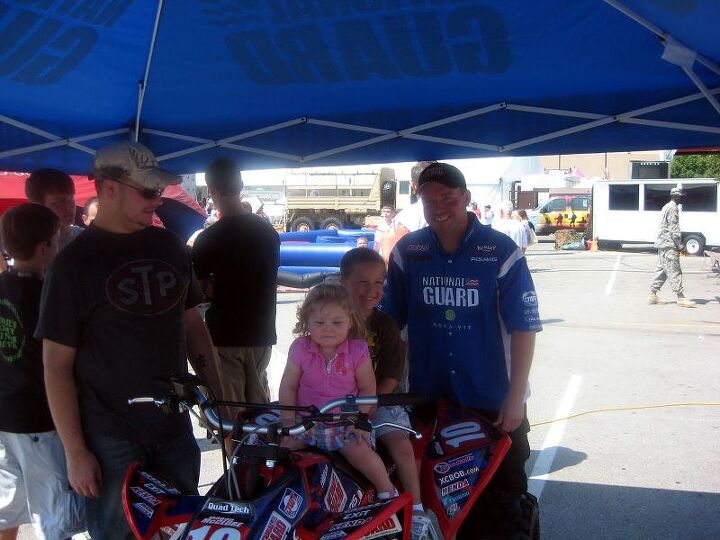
(189, 394)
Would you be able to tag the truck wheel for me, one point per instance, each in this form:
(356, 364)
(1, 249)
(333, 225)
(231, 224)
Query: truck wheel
(302, 224)
(332, 223)
(694, 244)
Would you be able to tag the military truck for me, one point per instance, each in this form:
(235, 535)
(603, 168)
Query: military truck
(338, 199)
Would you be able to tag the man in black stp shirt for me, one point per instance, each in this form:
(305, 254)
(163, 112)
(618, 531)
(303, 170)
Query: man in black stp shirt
(118, 317)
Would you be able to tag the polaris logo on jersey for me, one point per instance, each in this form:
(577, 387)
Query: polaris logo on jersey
(451, 291)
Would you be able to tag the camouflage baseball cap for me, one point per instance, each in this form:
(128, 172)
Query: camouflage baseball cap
(134, 162)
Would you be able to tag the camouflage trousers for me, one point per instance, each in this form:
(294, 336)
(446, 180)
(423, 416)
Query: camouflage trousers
(668, 268)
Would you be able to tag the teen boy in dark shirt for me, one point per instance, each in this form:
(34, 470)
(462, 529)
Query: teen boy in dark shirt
(33, 478)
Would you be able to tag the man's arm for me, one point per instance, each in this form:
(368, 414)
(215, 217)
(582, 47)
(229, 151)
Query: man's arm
(391, 238)
(201, 353)
(522, 349)
(366, 387)
(288, 391)
(83, 469)
(674, 227)
(395, 299)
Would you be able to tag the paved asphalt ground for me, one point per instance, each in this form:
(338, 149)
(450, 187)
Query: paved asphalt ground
(636, 473)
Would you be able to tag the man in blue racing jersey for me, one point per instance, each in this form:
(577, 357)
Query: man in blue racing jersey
(468, 300)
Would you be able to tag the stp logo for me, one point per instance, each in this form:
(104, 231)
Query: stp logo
(145, 287)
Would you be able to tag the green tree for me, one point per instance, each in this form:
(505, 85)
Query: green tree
(695, 166)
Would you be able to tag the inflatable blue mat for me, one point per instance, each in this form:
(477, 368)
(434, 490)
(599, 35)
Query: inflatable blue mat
(306, 236)
(313, 254)
(309, 269)
(311, 236)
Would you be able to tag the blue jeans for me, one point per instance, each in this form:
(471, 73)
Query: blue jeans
(177, 461)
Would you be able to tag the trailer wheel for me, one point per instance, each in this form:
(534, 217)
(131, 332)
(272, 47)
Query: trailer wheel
(302, 224)
(332, 223)
(694, 244)
(608, 245)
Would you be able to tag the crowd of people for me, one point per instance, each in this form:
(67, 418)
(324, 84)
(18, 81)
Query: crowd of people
(94, 318)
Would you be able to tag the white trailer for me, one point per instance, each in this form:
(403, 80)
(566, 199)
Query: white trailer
(628, 212)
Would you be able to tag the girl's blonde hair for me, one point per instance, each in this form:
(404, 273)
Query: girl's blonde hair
(326, 294)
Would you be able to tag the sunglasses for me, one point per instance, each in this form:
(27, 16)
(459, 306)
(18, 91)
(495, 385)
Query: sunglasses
(145, 193)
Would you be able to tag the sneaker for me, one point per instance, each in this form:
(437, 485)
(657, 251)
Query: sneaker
(425, 526)
(653, 299)
(685, 302)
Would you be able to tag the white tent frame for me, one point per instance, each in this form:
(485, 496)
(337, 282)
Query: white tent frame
(674, 52)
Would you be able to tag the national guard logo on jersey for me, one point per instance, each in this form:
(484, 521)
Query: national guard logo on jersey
(12, 337)
(450, 291)
(145, 287)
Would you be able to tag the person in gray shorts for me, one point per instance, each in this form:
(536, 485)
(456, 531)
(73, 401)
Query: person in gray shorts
(362, 273)
(34, 485)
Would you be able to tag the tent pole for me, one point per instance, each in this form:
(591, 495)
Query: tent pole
(353, 146)
(670, 125)
(554, 112)
(348, 127)
(697, 82)
(178, 136)
(451, 142)
(62, 142)
(142, 85)
(659, 32)
(45, 134)
(622, 118)
(226, 142)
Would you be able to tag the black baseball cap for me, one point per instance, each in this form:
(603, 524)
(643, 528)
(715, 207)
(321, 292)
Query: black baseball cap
(442, 173)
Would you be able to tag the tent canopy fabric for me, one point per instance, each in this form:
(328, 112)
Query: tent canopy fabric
(288, 83)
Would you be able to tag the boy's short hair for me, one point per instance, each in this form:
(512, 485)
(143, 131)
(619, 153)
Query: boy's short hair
(26, 226)
(223, 176)
(44, 181)
(358, 256)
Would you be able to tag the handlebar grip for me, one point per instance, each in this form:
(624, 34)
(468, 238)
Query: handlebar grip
(385, 400)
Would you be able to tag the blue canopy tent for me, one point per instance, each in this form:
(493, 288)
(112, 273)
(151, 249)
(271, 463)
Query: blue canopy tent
(280, 83)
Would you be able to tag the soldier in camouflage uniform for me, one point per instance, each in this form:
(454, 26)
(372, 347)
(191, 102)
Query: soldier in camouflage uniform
(669, 245)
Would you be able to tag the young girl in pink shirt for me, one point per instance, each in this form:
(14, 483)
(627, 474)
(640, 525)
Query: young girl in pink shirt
(330, 359)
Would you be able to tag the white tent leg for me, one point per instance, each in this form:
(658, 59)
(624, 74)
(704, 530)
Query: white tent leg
(142, 85)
